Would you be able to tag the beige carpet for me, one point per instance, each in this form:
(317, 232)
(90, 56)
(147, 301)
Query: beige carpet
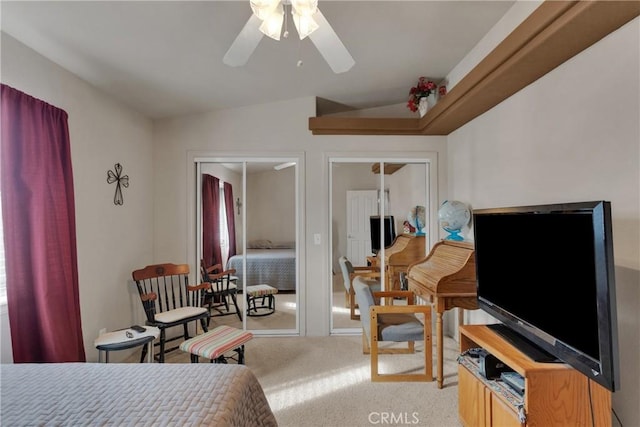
(284, 317)
(324, 381)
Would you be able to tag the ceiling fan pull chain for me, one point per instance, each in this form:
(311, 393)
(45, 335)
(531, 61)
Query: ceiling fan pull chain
(299, 64)
(286, 21)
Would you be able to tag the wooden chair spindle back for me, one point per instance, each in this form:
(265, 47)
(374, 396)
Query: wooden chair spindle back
(168, 283)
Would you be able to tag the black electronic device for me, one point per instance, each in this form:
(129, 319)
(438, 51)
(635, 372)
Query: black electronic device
(547, 273)
(475, 352)
(389, 232)
(491, 367)
(513, 380)
(138, 328)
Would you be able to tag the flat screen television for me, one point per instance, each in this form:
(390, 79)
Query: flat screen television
(547, 273)
(389, 232)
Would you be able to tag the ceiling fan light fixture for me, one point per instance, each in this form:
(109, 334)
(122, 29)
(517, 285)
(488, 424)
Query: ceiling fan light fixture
(272, 25)
(263, 8)
(305, 7)
(314, 25)
(305, 24)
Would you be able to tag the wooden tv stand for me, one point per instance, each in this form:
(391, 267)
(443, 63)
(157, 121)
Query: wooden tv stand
(555, 393)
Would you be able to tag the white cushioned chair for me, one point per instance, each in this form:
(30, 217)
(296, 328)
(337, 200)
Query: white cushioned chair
(168, 300)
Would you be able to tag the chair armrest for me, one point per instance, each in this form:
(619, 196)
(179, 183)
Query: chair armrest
(213, 268)
(149, 305)
(222, 274)
(151, 296)
(381, 309)
(376, 310)
(409, 295)
(363, 268)
(193, 288)
(370, 274)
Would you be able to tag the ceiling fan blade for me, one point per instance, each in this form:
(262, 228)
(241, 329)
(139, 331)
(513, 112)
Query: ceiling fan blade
(330, 45)
(244, 45)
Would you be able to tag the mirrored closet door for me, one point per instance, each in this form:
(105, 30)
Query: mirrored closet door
(370, 211)
(248, 227)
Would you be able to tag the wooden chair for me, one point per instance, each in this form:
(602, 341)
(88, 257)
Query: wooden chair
(223, 287)
(396, 323)
(349, 272)
(168, 300)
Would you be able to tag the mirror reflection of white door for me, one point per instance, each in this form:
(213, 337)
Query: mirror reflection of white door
(360, 206)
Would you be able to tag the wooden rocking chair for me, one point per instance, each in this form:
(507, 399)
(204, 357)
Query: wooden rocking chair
(168, 300)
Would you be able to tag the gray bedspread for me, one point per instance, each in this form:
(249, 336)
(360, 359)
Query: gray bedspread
(80, 394)
(274, 267)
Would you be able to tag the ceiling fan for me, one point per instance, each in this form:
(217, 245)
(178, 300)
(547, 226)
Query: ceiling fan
(269, 19)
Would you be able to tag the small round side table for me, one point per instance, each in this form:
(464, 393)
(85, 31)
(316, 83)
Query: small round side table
(124, 339)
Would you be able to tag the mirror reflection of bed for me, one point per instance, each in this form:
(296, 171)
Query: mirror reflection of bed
(274, 264)
(267, 215)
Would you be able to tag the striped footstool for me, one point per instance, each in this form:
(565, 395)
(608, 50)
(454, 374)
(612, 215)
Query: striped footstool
(214, 344)
(267, 305)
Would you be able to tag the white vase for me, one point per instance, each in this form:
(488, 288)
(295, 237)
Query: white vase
(423, 106)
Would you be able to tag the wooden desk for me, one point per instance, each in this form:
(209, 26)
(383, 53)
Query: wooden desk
(447, 278)
(405, 250)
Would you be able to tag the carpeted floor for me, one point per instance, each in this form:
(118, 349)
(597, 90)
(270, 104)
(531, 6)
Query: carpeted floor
(324, 381)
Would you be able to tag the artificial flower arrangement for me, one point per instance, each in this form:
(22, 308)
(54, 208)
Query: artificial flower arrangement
(423, 89)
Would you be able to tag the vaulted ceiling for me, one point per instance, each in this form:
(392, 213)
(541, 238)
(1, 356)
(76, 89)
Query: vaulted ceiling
(164, 58)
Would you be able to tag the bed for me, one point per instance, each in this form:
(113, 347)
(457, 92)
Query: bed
(274, 265)
(181, 394)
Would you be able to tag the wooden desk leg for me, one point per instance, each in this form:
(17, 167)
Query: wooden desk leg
(439, 349)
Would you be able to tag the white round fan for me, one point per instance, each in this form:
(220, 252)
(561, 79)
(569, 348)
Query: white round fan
(308, 20)
(417, 218)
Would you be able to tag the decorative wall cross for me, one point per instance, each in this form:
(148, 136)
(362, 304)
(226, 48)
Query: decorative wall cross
(120, 180)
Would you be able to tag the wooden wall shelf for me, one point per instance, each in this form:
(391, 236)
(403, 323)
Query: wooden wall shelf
(552, 34)
(389, 168)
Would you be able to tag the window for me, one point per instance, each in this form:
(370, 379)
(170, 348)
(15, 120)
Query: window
(224, 231)
(3, 277)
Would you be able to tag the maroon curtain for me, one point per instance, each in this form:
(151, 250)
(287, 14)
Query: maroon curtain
(39, 231)
(211, 252)
(231, 221)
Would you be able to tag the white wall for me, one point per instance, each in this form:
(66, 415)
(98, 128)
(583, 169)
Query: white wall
(520, 10)
(572, 135)
(271, 208)
(406, 188)
(112, 240)
(265, 130)
(346, 177)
